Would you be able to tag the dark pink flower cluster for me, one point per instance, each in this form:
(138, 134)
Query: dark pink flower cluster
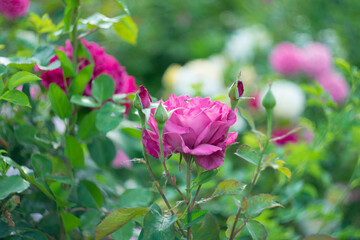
(198, 127)
(14, 8)
(315, 61)
(103, 64)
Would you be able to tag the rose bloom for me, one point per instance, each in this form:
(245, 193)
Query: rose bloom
(317, 59)
(335, 84)
(103, 64)
(286, 59)
(12, 9)
(291, 138)
(198, 127)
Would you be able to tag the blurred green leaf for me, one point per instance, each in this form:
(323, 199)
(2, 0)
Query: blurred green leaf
(256, 230)
(78, 84)
(118, 219)
(87, 129)
(90, 219)
(42, 55)
(230, 222)
(138, 197)
(41, 24)
(208, 229)
(343, 64)
(99, 20)
(66, 63)
(122, 6)
(248, 154)
(102, 151)
(196, 216)
(20, 78)
(74, 152)
(16, 97)
(204, 177)
(103, 88)
(158, 226)
(247, 117)
(125, 232)
(42, 165)
(109, 117)
(89, 194)
(258, 203)
(319, 237)
(126, 29)
(59, 102)
(12, 184)
(84, 101)
(70, 221)
(228, 187)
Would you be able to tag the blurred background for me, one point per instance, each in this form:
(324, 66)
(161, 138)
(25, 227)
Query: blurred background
(308, 49)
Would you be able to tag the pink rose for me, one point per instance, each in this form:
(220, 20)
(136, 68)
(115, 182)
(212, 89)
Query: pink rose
(104, 64)
(121, 160)
(335, 85)
(286, 59)
(317, 59)
(198, 127)
(12, 9)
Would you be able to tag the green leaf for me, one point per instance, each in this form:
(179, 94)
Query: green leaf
(20, 78)
(126, 232)
(42, 55)
(138, 197)
(109, 117)
(74, 152)
(319, 237)
(1, 85)
(126, 29)
(208, 229)
(59, 102)
(102, 150)
(118, 219)
(70, 221)
(89, 194)
(204, 177)
(103, 88)
(16, 97)
(87, 129)
(99, 20)
(343, 64)
(228, 187)
(66, 63)
(61, 179)
(256, 230)
(12, 184)
(248, 154)
(42, 165)
(157, 226)
(122, 6)
(248, 117)
(61, 192)
(195, 217)
(258, 203)
(84, 101)
(77, 86)
(230, 222)
(90, 219)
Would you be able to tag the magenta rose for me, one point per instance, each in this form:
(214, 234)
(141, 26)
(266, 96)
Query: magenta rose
(317, 59)
(12, 9)
(103, 64)
(198, 127)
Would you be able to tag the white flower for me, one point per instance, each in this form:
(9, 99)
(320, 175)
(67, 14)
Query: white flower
(290, 99)
(244, 42)
(200, 76)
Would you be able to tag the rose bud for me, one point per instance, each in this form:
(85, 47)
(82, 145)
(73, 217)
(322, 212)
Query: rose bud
(236, 90)
(161, 115)
(269, 101)
(144, 97)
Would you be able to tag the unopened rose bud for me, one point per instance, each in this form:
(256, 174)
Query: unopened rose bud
(236, 90)
(161, 115)
(144, 97)
(269, 101)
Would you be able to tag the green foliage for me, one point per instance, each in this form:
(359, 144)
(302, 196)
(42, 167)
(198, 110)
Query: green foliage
(74, 152)
(109, 117)
(12, 184)
(157, 225)
(16, 97)
(118, 219)
(103, 88)
(59, 101)
(256, 230)
(228, 187)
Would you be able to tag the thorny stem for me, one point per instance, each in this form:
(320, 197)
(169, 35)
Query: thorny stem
(167, 173)
(156, 182)
(256, 176)
(188, 195)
